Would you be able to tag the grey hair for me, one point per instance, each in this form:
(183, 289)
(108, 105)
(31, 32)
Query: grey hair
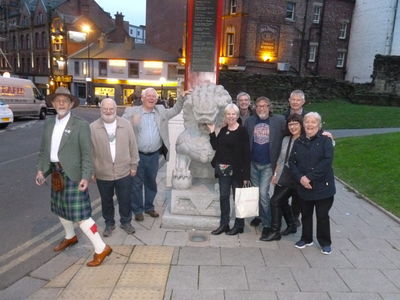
(106, 99)
(148, 90)
(242, 94)
(315, 115)
(299, 93)
(231, 106)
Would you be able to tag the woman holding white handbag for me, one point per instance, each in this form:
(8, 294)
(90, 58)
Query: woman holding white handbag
(231, 163)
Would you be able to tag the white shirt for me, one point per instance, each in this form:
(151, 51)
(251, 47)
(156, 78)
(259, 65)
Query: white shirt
(58, 131)
(111, 132)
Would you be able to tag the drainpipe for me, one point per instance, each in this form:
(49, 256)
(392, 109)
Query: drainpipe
(390, 38)
(303, 33)
(320, 38)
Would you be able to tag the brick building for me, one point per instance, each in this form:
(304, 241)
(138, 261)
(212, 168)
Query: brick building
(306, 37)
(37, 41)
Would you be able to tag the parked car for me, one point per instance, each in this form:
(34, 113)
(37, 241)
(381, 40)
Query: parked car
(6, 115)
(22, 97)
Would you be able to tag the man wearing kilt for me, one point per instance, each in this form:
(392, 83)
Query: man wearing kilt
(65, 153)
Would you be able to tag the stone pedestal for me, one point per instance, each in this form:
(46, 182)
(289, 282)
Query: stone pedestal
(175, 127)
(196, 208)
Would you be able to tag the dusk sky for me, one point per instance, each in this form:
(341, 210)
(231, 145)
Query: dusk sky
(133, 10)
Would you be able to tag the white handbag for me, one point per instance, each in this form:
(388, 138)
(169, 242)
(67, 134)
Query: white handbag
(246, 202)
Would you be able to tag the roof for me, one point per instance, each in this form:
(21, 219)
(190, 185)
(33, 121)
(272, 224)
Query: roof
(120, 51)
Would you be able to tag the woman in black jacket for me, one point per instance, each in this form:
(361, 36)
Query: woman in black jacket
(311, 166)
(232, 165)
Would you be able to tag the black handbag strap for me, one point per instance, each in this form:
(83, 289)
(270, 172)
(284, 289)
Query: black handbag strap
(288, 150)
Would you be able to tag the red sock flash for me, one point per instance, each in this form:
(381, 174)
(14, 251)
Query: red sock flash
(93, 228)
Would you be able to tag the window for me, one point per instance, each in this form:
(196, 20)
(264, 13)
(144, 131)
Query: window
(343, 31)
(102, 68)
(290, 10)
(28, 41)
(37, 40)
(232, 7)
(316, 13)
(76, 68)
(22, 65)
(230, 43)
(44, 64)
(133, 70)
(172, 72)
(28, 65)
(43, 40)
(340, 59)
(14, 42)
(21, 44)
(312, 52)
(38, 69)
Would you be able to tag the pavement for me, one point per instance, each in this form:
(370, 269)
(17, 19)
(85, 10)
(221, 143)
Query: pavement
(162, 263)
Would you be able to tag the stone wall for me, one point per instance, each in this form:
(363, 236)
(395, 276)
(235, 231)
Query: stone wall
(278, 87)
(386, 75)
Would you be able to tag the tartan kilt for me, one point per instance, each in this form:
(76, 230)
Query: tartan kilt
(70, 203)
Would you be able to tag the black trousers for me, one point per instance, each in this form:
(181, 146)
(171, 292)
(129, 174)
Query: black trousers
(226, 184)
(322, 208)
(280, 206)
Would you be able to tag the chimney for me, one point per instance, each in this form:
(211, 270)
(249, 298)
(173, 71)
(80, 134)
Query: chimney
(102, 41)
(129, 43)
(119, 20)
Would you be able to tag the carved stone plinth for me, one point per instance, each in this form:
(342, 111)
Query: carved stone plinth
(197, 207)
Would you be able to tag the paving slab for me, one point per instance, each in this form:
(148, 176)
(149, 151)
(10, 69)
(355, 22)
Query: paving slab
(199, 256)
(241, 257)
(46, 294)
(152, 255)
(335, 260)
(355, 296)
(86, 293)
(222, 277)
(249, 295)
(368, 259)
(145, 276)
(371, 243)
(270, 279)
(284, 257)
(197, 295)
(22, 289)
(393, 256)
(319, 280)
(183, 277)
(303, 296)
(393, 276)
(102, 276)
(128, 293)
(390, 296)
(63, 279)
(367, 280)
(176, 238)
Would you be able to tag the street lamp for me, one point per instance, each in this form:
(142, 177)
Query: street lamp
(162, 81)
(86, 29)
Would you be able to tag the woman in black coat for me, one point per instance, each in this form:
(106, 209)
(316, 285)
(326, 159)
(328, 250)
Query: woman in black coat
(311, 166)
(232, 164)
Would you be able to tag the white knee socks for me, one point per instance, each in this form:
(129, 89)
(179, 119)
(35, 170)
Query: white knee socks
(68, 227)
(89, 228)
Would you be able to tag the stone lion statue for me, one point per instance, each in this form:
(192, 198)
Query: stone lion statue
(205, 105)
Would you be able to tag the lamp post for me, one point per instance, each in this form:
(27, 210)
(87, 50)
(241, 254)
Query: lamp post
(162, 81)
(86, 29)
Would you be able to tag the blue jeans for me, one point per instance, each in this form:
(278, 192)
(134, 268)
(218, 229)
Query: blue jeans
(122, 189)
(226, 183)
(260, 175)
(145, 175)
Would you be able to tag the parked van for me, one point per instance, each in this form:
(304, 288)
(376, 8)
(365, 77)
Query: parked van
(22, 97)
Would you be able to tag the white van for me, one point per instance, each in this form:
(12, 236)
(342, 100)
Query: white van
(22, 97)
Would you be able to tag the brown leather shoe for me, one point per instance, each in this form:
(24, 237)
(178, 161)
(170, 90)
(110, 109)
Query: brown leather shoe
(139, 217)
(98, 258)
(65, 243)
(152, 213)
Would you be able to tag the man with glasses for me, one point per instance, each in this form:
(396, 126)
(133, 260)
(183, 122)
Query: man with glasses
(115, 159)
(266, 132)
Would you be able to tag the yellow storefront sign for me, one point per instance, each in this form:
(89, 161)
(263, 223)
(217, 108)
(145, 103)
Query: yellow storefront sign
(104, 91)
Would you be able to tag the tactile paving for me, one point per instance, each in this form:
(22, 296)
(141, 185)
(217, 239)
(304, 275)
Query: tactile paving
(152, 255)
(102, 276)
(127, 293)
(145, 276)
(86, 293)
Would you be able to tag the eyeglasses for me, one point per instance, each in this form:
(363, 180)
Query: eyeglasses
(262, 106)
(108, 109)
(294, 124)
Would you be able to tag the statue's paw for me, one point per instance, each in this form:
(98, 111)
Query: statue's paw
(182, 183)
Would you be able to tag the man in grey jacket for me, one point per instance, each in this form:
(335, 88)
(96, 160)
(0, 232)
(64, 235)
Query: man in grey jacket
(266, 132)
(150, 123)
(115, 159)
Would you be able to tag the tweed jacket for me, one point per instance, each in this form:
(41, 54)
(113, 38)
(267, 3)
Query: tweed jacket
(74, 152)
(277, 130)
(162, 115)
(126, 151)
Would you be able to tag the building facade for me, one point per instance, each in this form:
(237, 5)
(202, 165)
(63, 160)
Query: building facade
(375, 30)
(138, 33)
(305, 37)
(120, 68)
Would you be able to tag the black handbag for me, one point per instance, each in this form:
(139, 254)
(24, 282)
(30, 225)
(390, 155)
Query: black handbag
(286, 178)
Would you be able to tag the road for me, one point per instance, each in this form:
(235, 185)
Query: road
(27, 224)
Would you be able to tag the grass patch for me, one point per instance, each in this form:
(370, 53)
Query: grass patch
(371, 165)
(338, 114)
